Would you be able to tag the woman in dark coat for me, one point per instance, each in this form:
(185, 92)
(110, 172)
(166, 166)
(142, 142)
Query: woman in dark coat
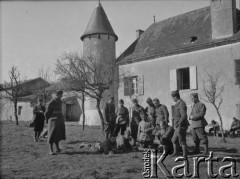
(56, 125)
(39, 118)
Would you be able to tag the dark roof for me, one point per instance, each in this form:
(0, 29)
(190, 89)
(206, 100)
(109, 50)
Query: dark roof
(27, 87)
(180, 34)
(99, 24)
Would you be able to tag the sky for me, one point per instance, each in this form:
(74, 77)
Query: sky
(33, 34)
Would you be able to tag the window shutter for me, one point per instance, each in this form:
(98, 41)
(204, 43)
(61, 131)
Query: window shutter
(193, 77)
(173, 79)
(237, 72)
(126, 87)
(141, 85)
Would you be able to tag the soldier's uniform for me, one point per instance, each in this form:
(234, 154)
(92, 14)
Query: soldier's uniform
(165, 137)
(56, 125)
(162, 113)
(136, 110)
(180, 122)
(122, 120)
(199, 123)
(110, 117)
(150, 110)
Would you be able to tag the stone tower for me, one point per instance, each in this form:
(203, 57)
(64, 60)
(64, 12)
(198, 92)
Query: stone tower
(223, 18)
(99, 41)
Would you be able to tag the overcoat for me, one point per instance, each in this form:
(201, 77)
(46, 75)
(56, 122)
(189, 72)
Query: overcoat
(56, 125)
(198, 112)
(162, 113)
(39, 117)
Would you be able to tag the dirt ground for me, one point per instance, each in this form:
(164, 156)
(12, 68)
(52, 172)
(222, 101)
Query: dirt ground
(22, 158)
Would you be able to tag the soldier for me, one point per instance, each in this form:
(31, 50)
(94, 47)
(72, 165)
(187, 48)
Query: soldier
(110, 117)
(180, 123)
(122, 118)
(198, 124)
(161, 111)
(56, 126)
(163, 136)
(150, 111)
(136, 110)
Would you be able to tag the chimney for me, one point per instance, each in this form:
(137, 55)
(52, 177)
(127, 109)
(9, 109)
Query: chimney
(223, 18)
(139, 32)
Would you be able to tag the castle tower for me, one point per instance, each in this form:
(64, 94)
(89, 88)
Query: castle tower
(99, 41)
(223, 18)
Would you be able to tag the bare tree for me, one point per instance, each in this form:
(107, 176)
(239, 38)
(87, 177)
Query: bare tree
(45, 73)
(87, 75)
(12, 90)
(213, 88)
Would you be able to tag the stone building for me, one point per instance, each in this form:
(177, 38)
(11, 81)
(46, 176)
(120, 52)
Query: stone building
(179, 52)
(99, 43)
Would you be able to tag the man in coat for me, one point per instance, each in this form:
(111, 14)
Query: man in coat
(180, 123)
(56, 125)
(161, 111)
(198, 124)
(151, 111)
(136, 110)
(122, 120)
(110, 117)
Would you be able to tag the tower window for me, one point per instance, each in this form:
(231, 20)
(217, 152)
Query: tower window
(193, 39)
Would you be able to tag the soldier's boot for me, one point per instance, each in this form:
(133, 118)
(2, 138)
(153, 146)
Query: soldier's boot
(196, 149)
(184, 149)
(205, 149)
(175, 150)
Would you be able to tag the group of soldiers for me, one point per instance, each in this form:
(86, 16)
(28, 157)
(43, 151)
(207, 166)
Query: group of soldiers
(150, 126)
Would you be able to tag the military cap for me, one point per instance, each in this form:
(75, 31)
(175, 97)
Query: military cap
(149, 100)
(156, 99)
(135, 101)
(175, 94)
(59, 92)
(195, 95)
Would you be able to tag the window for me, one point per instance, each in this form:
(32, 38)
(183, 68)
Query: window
(237, 72)
(183, 78)
(133, 85)
(19, 110)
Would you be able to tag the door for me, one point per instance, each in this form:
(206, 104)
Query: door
(69, 112)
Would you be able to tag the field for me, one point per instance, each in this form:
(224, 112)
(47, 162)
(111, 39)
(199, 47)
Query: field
(22, 158)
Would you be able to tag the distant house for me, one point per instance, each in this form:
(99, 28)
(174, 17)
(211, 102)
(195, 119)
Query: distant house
(177, 52)
(27, 98)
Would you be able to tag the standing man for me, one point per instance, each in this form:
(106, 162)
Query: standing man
(198, 124)
(161, 111)
(136, 110)
(110, 117)
(180, 123)
(39, 119)
(151, 111)
(122, 118)
(56, 125)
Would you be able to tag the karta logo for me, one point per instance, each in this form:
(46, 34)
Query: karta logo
(153, 162)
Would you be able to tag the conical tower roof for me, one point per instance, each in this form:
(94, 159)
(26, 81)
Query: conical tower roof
(99, 23)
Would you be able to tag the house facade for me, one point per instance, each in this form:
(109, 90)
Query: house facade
(180, 53)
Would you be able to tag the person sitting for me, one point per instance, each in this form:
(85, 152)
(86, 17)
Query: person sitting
(163, 136)
(213, 127)
(108, 146)
(123, 142)
(235, 126)
(145, 131)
